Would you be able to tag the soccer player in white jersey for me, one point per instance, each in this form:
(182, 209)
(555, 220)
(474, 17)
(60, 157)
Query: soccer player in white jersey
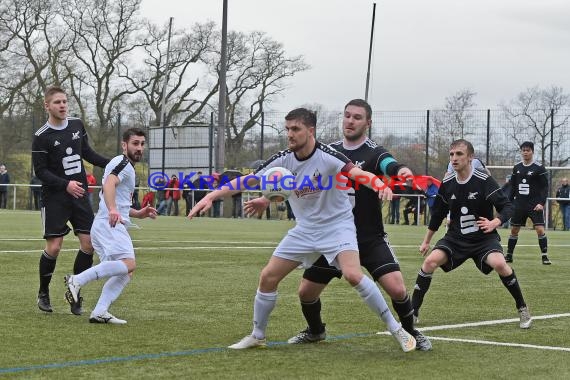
(325, 223)
(469, 195)
(109, 232)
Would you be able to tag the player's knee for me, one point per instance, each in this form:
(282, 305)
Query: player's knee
(353, 276)
(397, 293)
(430, 265)
(268, 281)
(53, 248)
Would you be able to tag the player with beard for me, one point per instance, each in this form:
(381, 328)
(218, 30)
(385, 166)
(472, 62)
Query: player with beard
(109, 232)
(376, 254)
(58, 151)
(469, 196)
(325, 224)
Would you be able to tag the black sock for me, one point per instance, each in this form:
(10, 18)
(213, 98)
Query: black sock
(82, 262)
(312, 312)
(543, 244)
(405, 312)
(47, 267)
(512, 243)
(512, 285)
(420, 289)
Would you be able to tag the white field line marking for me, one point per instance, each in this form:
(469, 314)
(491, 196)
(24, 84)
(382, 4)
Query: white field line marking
(483, 323)
(152, 249)
(491, 343)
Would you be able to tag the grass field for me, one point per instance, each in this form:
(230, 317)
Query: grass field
(192, 296)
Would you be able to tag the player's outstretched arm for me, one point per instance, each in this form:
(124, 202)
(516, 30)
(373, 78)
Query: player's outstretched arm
(145, 212)
(364, 178)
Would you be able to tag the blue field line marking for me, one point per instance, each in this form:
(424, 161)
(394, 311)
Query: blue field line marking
(79, 363)
(111, 360)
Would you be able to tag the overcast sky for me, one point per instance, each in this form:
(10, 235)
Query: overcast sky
(424, 50)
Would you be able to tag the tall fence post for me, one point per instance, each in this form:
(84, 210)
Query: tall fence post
(427, 142)
(488, 136)
(262, 135)
(551, 159)
(210, 145)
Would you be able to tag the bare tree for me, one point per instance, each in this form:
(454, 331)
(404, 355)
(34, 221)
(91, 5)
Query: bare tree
(187, 95)
(257, 70)
(535, 115)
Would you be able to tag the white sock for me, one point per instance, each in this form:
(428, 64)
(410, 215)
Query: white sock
(101, 270)
(111, 291)
(262, 307)
(370, 293)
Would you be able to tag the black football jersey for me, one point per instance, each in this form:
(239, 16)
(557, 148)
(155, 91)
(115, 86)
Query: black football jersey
(529, 185)
(57, 155)
(367, 208)
(466, 202)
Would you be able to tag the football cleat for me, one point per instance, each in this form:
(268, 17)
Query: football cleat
(509, 257)
(422, 342)
(248, 342)
(73, 289)
(106, 318)
(44, 303)
(306, 336)
(407, 342)
(525, 318)
(545, 260)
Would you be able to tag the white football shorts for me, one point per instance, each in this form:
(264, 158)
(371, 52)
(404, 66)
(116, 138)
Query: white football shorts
(110, 243)
(306, 245)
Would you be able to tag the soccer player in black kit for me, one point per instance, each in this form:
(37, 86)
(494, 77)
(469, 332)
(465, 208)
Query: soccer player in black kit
(529, 189)
(375, 252)
(58, 150)
(469, 195)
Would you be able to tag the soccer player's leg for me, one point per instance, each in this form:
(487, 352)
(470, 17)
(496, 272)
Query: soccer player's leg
(495, 260)
(314, 281)
(438, 257)
(537, 218)
(517, 221)
(55, 215)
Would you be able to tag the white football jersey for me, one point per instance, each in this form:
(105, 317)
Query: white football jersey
(124, 170)
(320, 195)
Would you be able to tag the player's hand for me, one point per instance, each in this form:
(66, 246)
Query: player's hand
(114, 218)
(405, 172)
(200, 208)
(487, 225)
(255, 206)
(424, 248)
(75, 189)
(538, 207)
(385, 193)
(148, 212)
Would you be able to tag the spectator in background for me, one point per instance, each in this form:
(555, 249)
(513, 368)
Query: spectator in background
(199, 184)
(4, 181)
(173, 196)
(160, 196)
(148, 199)
(506, 189)
(395, 208)
(216, 205)
(91, 181)
(135, 203)
(431, 193)
(564, 192)
(36, 192)
(412, 204)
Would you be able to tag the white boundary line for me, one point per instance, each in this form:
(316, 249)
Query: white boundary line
(492, 343)
(487, 323)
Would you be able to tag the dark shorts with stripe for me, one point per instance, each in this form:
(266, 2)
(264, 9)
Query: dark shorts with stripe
(520, 215)
(60, 208)
(459, 250)
(376, 255)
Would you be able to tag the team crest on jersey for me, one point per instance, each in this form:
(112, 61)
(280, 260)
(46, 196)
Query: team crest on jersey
(359, 164)
(529, 173)
(453, 196)
(75, 135)
(56, 143)
(472, 195)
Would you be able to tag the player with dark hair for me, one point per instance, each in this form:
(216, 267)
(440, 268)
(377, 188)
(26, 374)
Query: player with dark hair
(529, 189)
(58, 151)
(375, 252)
(325, 223)
(110, 236)
(469, 195)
